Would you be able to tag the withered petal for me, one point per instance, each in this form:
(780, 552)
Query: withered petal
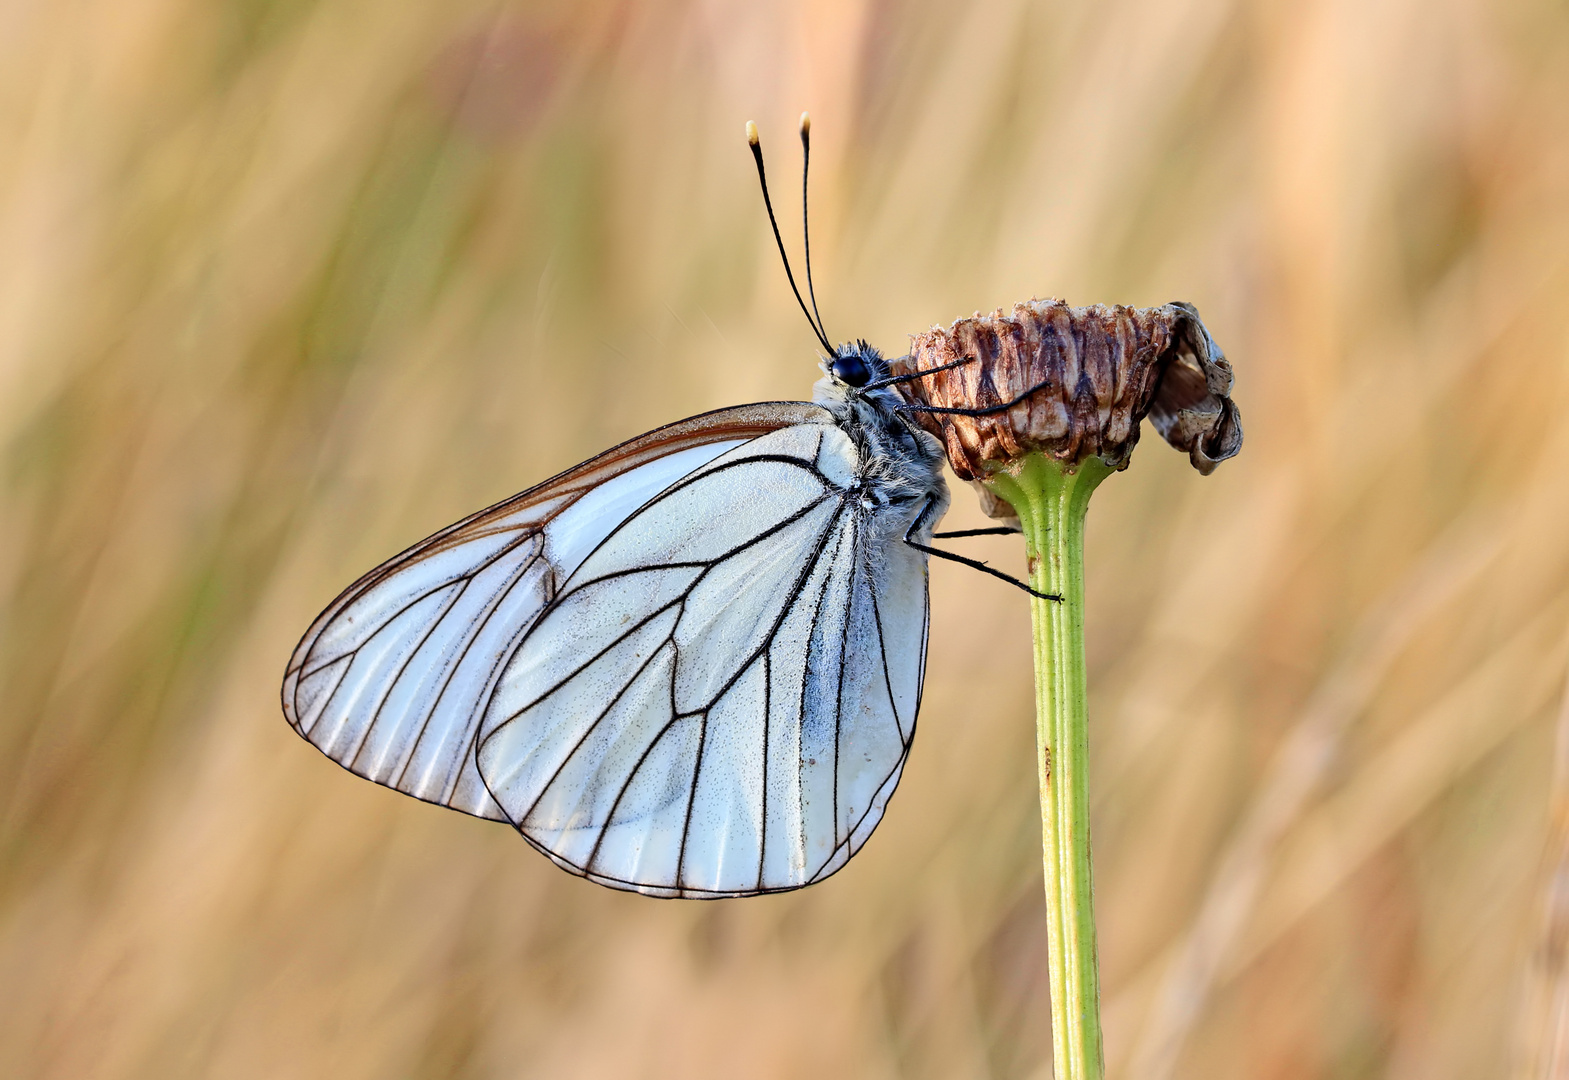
(1104, 368)
(1192, 408)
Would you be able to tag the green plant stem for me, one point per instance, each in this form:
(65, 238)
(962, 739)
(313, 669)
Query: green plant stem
(1051, 502)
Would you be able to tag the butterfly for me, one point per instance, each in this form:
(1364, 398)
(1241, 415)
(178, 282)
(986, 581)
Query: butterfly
(689, 667)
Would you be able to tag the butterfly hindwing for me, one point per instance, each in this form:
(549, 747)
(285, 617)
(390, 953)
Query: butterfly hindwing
(720, 698)
(391, 681)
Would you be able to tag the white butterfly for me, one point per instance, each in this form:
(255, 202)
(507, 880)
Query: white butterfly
(690, 666)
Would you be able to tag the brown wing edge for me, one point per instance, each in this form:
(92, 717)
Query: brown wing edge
(565, 488)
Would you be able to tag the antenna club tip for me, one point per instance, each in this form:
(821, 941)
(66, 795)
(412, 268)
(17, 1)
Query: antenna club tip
(751, 133)
(806, 123)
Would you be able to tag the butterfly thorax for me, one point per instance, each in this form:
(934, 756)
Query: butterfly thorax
(900, 478)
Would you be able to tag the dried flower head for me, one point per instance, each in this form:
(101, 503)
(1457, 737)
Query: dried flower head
(1084, 378)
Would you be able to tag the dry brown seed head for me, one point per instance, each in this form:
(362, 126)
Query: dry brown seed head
(1100, 370)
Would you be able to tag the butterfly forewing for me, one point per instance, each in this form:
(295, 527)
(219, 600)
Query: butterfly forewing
(392, 679)
(712, 705)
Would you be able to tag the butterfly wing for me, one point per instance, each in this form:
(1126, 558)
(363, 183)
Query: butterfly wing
(392, 679)
(721, 698)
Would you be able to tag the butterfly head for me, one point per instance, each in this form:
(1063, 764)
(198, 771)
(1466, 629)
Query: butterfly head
(855, 364)
(856, 376)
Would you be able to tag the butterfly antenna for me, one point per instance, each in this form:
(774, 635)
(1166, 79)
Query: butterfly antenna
(762, 178)
(806, 225)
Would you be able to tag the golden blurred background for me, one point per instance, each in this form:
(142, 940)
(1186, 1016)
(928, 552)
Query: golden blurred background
(286, 285)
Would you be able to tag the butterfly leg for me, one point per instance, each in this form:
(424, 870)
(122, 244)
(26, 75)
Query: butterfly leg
(985, 410)
(974, 564)
(890, 380)
(1001, 530)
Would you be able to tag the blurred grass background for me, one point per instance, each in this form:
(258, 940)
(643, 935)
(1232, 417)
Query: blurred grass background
(286, 285)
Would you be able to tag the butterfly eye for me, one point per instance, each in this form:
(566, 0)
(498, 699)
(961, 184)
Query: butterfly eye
(851, 370)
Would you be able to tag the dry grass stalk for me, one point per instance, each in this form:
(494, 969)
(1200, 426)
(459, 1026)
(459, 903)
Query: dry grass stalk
(1543, 1047)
